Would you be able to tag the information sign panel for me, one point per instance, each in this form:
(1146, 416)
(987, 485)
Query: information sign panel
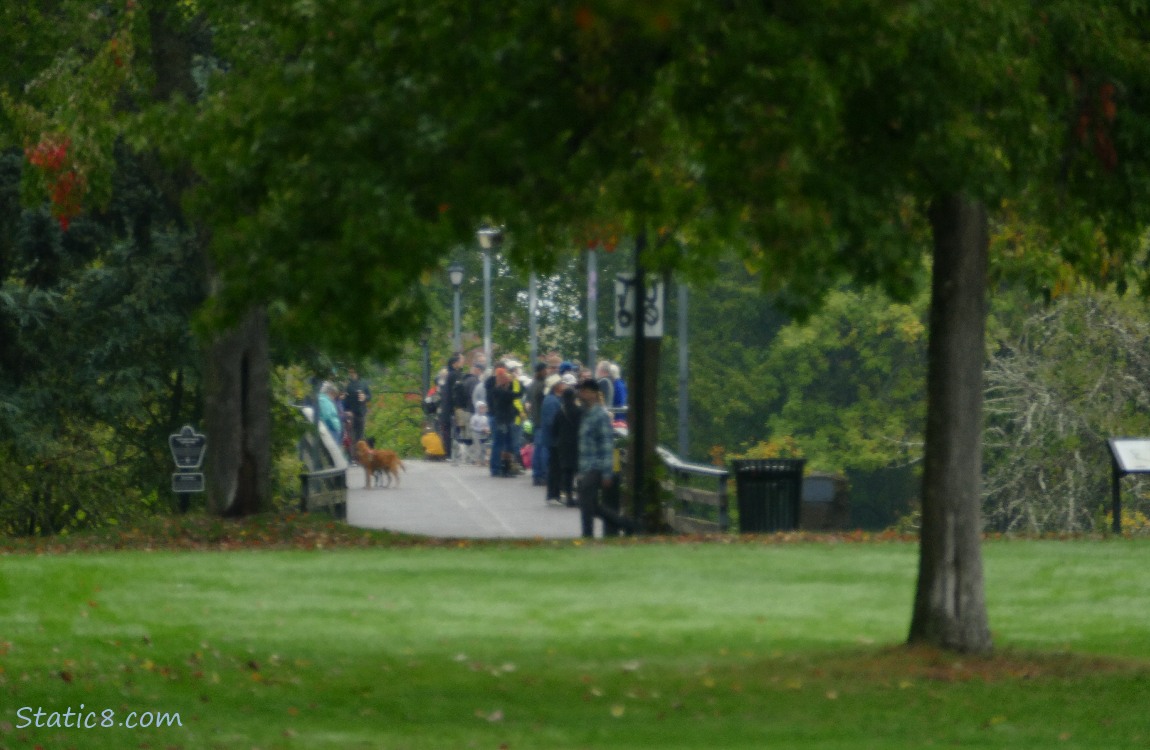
(188, 448)
(187, 481)
(1129, 456)
(1132, 454)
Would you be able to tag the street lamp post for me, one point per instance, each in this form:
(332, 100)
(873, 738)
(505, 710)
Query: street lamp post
(592, 309)
(490, 238)
(425, 342)
(533, 324)
(684, 375)
(455, 273)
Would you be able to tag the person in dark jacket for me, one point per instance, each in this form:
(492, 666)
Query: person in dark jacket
(502, 402)
(564, 445)
(355, 403)
(551, 404)
(446, 417)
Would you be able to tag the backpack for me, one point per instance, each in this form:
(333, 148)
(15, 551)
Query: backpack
(461, 393)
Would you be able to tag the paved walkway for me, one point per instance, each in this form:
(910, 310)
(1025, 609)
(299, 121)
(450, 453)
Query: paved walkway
(443, 500)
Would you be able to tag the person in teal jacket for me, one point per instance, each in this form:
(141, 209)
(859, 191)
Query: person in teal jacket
(328, 414)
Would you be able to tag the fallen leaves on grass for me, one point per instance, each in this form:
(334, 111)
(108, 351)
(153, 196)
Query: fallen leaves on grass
(209, 533)
(315, 532)
(905, 666)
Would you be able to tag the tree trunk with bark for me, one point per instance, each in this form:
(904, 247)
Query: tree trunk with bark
(643, 415)
(237, 408)
(646, 504)
(950, 606)
(237, 368)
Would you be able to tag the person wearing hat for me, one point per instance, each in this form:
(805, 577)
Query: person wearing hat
(596, 463)
(564, 432)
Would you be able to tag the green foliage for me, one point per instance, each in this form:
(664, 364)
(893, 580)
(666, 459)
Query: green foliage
(66, 95)
(340, 148)
(335, 179)
(395, 417)
(97, 366)
(848, 384)
(844, 387)
(732, 326)
(1068, 378)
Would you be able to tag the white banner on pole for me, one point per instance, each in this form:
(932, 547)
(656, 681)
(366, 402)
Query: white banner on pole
(652, 308)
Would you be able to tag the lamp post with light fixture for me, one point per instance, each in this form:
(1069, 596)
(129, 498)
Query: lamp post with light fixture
(490, 238)
(533, 318)
(455, 274)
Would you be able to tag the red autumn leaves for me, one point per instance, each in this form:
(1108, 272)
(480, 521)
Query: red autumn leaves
(605, 235)
(1096, 114)
(53, 157)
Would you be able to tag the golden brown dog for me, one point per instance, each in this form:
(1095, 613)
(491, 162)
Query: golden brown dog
(377, 463)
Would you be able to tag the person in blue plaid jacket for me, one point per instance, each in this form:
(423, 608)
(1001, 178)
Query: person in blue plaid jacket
(596, 461)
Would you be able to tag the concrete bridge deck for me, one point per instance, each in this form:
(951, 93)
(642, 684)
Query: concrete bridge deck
(436, 498)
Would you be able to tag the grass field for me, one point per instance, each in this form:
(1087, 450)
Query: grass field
(568, 646)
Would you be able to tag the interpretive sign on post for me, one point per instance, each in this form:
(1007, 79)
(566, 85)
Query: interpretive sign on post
(188, 448)
(187, 481)
(1128, 456)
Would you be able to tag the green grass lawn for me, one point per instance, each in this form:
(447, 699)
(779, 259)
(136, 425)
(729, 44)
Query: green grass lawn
(569, 646)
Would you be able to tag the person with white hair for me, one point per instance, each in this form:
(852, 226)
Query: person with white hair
(328, 413)
(606, 383)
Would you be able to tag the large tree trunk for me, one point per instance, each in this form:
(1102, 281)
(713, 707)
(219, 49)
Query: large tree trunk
(950, 607)
(237, 377)
(237, 408)
(643, 396)
(643, 417)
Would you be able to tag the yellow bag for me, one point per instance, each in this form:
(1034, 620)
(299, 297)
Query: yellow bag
(432, 445)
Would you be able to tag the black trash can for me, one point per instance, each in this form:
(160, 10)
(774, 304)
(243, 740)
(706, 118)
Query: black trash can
(769, 493)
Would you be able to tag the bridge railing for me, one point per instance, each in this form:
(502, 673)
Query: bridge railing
(700, 501)
(324, 490)
(323, 481)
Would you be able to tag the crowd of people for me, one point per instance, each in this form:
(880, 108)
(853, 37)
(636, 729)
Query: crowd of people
(558, 423)
(344, 411)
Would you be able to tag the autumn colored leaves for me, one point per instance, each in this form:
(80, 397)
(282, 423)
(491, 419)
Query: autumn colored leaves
(1096, 113)
(65, 183)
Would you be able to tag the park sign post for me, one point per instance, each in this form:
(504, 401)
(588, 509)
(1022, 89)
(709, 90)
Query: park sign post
(188, 448)
(1128, 456)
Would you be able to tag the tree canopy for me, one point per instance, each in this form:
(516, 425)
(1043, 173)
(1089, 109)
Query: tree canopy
(330, 153)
